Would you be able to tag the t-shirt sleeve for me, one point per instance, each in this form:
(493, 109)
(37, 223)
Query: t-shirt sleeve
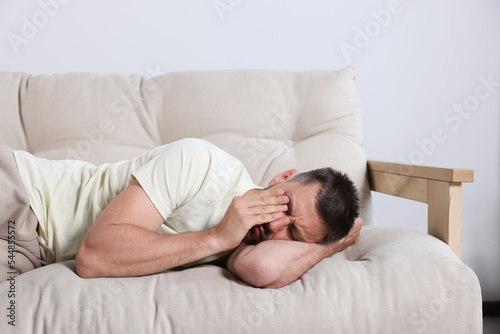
(174, 174)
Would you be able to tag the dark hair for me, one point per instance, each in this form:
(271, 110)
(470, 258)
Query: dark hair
(338, 200)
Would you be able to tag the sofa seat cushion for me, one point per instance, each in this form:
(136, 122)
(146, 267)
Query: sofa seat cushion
(390, 281)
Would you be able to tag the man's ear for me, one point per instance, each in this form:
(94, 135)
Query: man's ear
(282, 177)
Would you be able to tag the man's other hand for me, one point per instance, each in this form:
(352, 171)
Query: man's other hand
(348, 240)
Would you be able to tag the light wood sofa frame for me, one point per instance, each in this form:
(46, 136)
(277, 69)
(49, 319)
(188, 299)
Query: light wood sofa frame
(440, 188)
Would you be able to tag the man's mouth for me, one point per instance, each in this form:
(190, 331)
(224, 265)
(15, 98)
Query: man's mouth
(258, 231)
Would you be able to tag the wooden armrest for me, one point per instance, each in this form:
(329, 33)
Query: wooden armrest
(440, 188)
(430, 173)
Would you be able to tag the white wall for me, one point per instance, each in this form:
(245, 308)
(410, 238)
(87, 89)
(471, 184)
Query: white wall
(422, 59)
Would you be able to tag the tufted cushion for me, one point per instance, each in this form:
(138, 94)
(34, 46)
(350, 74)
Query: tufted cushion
(271, 120)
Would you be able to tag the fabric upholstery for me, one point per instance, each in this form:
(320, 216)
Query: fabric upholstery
(271, 121)
(370, 288)
(390, 281)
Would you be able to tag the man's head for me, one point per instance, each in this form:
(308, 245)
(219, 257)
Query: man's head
(323, 206)
(337, 200)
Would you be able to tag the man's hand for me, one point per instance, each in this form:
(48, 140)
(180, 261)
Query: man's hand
(346, 241)
(123, 241)
(255, 207)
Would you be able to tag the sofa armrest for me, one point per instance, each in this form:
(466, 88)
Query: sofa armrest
(440, 188)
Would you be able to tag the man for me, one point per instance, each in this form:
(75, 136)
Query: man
(179, 204)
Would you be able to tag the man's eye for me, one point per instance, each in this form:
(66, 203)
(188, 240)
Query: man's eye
(290, 233)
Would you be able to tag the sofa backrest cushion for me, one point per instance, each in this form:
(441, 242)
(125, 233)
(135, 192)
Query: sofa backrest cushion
(271, 120)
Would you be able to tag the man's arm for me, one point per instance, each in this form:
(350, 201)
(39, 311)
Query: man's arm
(276, 263)
(123, 240)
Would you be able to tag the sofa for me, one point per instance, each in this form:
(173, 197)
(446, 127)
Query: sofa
(392, 280)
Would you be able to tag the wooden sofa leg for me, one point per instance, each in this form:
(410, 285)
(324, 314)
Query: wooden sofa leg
(444, 212)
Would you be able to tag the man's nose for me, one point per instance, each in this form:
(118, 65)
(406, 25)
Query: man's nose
(277, 226)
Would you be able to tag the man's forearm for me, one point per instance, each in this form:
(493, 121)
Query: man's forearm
(127, 250)
(276, 263)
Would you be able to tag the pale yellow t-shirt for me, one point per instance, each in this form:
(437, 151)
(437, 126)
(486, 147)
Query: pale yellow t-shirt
(190, 182)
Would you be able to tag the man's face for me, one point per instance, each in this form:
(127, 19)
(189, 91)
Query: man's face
(300, 223)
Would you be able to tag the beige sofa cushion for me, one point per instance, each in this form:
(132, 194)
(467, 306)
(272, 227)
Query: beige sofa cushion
(391, 281)
(272, 121)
